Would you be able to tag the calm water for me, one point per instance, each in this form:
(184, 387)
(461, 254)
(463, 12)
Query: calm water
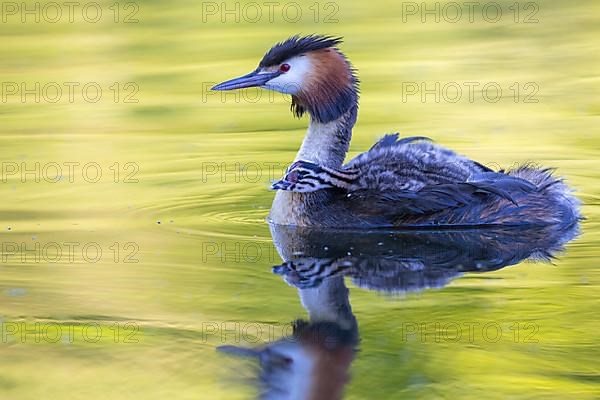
(134, 240)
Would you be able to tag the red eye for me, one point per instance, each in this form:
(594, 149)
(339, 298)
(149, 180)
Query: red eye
(284, 67)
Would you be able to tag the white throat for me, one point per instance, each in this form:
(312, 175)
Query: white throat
(322, 144)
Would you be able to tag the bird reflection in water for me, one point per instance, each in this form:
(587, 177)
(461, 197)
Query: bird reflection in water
(314, 362)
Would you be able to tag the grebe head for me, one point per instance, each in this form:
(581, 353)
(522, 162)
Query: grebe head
(311, 69)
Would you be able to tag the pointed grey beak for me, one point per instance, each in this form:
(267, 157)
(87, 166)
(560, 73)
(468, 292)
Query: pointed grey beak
(252, 79)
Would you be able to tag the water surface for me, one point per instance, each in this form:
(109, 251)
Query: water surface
(122, 285)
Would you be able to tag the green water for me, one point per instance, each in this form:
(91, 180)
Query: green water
(134, 222)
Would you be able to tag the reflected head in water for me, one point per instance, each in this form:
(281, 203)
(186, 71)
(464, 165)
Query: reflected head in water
(313, 362)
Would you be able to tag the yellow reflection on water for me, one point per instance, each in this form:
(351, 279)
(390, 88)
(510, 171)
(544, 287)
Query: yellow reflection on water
(168, 181)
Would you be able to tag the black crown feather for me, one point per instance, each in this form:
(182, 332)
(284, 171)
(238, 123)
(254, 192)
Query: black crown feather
(295, 46)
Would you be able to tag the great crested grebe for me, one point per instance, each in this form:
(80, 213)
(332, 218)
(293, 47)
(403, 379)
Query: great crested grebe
(398, 182)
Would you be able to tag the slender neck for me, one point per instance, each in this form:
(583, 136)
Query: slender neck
(326, 143)
(329, 302)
